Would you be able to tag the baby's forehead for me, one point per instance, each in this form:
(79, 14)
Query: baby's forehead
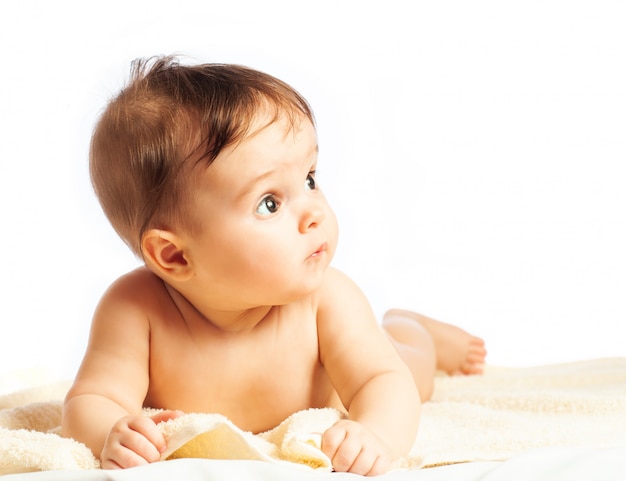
(270, 144)
(292, 120)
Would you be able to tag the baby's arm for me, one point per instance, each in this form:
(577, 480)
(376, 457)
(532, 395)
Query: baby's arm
(103, 409)
(372, 381)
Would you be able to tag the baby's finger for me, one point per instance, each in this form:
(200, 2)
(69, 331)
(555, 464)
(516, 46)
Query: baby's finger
(121, 457)
(347, 452)
(370, 462)
(164, 416)
(148, 441)
(332, 439)
(381, 465)
(362, 463)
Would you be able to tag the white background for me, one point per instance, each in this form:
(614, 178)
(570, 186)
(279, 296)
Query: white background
(474, 152)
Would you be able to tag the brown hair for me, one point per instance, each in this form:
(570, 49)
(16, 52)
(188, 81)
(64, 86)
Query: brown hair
(167, 115)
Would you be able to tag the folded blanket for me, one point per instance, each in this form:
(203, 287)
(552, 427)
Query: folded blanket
(297, 439)
(491, 417)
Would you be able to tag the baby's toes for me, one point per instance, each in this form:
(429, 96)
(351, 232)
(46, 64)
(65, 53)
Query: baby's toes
(477, 348)
(470, 367)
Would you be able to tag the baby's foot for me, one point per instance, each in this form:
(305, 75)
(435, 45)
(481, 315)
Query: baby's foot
(458, 352)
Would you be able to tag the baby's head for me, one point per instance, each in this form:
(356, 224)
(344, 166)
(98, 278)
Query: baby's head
(170, 120)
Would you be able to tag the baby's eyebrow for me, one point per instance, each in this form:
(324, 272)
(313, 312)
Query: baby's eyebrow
(249, 186)
(315, 150)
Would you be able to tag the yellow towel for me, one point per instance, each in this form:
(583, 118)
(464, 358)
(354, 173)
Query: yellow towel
(296, 439)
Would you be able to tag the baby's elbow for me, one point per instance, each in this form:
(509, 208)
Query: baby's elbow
(425, 388)
(67, 416)
(74, 412)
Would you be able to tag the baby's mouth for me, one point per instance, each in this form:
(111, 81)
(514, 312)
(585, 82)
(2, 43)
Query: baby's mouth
(320, 250)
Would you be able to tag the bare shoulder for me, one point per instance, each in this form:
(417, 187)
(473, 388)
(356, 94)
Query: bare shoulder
(124, 313)
(353, 347)
(334, 280)
(137, 295)
(135, 286)
(344, 314)
(119, 343)
(339, 295)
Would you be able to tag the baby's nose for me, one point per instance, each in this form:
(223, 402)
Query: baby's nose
(312, 216)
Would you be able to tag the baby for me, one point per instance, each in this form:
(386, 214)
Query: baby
(208, 173)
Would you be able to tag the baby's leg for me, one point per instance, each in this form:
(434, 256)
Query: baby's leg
(427, 345)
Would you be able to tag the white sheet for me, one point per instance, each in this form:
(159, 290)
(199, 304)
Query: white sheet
(547, 464)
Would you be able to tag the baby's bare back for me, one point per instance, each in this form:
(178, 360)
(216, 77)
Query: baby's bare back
(256, 378)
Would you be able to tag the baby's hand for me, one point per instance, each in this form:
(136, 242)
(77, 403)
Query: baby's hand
(135, 440)
(355, 449)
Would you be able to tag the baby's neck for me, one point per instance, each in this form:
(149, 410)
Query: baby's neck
(225, 321)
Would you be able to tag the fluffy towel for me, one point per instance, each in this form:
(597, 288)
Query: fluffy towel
(512, 410)
(491, 417)
(297, 439)
(29, 425)
(29, 439)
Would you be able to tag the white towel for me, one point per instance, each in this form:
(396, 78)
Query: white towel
(491, 417)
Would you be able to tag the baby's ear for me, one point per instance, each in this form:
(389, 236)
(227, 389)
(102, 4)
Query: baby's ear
(163, 252)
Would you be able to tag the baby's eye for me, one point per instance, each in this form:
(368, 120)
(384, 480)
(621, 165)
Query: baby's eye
(310, 183)
(268, 205)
